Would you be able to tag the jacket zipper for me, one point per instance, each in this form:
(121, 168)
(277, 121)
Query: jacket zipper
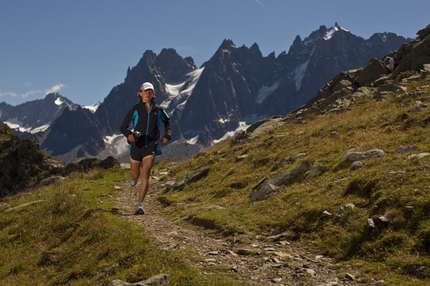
(147, 123)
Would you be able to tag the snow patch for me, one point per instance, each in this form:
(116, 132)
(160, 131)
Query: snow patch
(177, 91)
(92, 108)
(265, 91)
(299, 73)
(174, 90)
(58, 101)
(17, 126)
(195, 75)
(332, 31)
(193, 140)
(116, 145)
(242, 126)
(111, 139)
(39, 129)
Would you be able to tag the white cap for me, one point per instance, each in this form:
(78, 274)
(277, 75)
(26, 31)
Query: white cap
(147, 85)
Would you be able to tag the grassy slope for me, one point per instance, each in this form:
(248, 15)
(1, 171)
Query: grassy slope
(390, 185)
(77, 224)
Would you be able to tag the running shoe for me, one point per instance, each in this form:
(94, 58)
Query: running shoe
(133, 182)
(139, 209)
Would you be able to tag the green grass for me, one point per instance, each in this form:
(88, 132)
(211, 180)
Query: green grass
(74, 233)
(76, 222)
(390, 186)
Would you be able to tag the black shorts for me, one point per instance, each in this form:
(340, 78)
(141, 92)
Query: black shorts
(138, 154)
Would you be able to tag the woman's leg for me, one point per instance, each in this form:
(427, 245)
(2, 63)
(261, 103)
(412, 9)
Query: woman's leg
(134, 169)
(147, 163)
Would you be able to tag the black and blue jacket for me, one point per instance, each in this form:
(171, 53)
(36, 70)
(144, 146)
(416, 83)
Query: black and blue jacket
(148, 123)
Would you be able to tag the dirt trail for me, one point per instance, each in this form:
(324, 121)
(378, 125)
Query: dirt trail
(265, 261)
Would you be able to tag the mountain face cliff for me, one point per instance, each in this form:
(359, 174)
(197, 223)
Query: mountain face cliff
(36, 115)
(235, 88)
(240, 85)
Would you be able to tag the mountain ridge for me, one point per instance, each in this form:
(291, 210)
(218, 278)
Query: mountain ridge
(236, 87)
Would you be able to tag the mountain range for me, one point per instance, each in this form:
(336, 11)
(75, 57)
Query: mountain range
(235, 88)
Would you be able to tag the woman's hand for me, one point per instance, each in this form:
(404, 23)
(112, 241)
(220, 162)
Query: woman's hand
(164, 142)
(130, 138)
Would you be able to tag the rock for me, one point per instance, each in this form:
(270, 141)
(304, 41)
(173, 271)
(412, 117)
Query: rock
(268, 187)
(22, 163)
(88, 164)
(349, 277)
(417, 156)
(187, 179)
(371, 72)
(298, 156)
(355, 156)
(391, 87)
(51, 180)
(389, 63)
(377, 283)
(279, 164)
(195, 176)
(265, 191)
(276, 280)
(48, 257)
(174, 185)
(325, 214)
(240, 137)
(241, 157)
(344, 209)
(419, 106)
(311, 272)
(405, 149)
(244, 252)
(372, 153)
(317, 170)
(356, 165)
(370, 224)
(383, 220)
(158, 280)
(414, 55)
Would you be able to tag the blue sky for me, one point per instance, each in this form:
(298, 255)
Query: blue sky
(82, 48)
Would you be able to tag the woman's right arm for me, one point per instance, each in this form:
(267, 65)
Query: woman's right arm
(126, 123)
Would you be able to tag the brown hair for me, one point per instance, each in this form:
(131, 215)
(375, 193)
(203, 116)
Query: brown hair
(153, 94)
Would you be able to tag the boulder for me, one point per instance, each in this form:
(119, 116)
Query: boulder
(374, 70)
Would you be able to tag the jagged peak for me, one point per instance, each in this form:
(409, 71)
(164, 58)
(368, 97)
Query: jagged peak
(297, 40)
(57, 98)
(255, 50)
(168, 53)
(322, 29)
(254, 47)
(227, 44)
(331, 31)
(53, 95)
(148, 53)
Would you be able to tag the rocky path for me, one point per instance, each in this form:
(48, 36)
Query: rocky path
(265, 261)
